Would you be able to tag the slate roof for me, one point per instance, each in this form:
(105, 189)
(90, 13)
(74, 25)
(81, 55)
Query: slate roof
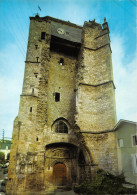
(72, 32)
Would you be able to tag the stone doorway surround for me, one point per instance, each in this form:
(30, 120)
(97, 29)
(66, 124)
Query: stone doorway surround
(65, 164)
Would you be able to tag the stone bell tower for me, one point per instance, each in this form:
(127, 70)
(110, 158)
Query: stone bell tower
(64, 129)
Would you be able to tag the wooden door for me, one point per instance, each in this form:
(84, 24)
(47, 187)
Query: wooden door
(59, 174)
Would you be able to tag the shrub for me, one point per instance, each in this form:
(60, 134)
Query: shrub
(2, 157)
(105, 183)
(8, 156)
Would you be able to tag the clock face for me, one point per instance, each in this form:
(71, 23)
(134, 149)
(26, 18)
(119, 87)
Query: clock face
(60, 31)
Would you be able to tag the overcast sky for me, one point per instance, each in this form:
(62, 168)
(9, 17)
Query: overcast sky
(14, 29)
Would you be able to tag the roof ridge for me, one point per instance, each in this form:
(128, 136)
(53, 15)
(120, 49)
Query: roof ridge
(45, 18)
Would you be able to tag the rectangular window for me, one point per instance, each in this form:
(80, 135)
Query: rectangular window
(120, 143)
(43, 34)
(30, 109)
(36, 46)
(135, 140)
(134, 162)
(57, 96)
(36, 75)
(37, 59)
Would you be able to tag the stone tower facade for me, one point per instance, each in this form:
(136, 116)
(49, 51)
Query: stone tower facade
(64, 129)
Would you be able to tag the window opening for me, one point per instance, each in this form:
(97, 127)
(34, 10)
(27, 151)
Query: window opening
(36, 75)
(61, 61)
(57, 96)
(32, 90)
(37, 139)
(135, 140)
(30, 109)
(61, 127)
(37, 58)
(36, 46)
(43, 34)
(134, 162)
(120, 143)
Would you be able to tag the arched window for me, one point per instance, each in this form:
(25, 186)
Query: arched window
(61, 127)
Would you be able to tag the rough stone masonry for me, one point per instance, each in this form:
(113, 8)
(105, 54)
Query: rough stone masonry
(63, 131)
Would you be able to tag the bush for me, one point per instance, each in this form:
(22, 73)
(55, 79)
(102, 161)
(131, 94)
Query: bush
(8, 156)
(2, 157)
(105, 183)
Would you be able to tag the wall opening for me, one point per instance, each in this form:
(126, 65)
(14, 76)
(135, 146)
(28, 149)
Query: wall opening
(61, 127)
(59, 174)
(134, 140)
(30, 109)
(57, 96)
(61, 61)
(36, 75)
(33, 91)
(43, 34)
(37, 59)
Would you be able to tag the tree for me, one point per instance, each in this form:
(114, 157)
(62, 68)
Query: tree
(105, 183)
(2, 157)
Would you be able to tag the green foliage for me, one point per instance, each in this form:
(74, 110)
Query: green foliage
(104, 183)
(8, 156)
(2, 157)
(5, 141)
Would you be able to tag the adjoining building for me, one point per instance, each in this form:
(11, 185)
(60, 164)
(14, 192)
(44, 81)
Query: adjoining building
(126, 134)
(5, 147)
(64, 130)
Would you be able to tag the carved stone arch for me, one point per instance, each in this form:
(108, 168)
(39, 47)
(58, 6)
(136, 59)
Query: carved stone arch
(87, 155)
(84, 163)
(61, 125)
(61, 171)
(56, 161)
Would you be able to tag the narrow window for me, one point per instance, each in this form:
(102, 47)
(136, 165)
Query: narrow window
(61, 61)
(135, 140)
(32, 90)
(43, 35)
(30, 109)
(57, 96)
(134, 162)
(37, 58)
(36, 75)
(120, 143)
(37, 139)
(36, 46)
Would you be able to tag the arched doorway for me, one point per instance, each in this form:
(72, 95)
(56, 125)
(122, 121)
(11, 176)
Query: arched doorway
(59, 174)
